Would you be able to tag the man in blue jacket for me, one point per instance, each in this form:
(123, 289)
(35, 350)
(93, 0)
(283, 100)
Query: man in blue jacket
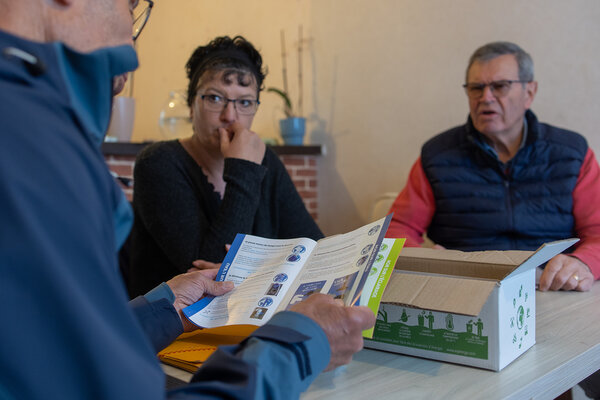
(67, 332)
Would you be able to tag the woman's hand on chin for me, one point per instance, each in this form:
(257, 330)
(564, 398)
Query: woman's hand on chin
(242, 143)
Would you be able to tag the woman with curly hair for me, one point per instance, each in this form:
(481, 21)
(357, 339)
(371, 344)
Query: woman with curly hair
(193, 195)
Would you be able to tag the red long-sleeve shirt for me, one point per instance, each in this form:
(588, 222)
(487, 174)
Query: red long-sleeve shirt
(415, 206)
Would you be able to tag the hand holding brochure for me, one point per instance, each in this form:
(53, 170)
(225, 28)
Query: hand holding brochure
(270, 275)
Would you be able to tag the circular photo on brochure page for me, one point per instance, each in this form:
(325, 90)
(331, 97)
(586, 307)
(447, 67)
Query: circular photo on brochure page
(280, 278)
(265, 302)
(373, 230)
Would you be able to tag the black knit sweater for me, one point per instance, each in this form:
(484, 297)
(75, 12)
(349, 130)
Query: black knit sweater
(179, 217)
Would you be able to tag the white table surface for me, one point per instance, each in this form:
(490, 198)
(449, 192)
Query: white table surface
(567, 350)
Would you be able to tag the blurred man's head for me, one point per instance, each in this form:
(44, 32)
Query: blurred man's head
(84, 25)
(492, 50)
(500, 87)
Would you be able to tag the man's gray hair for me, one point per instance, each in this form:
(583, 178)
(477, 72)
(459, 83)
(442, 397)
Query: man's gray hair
(495, 49)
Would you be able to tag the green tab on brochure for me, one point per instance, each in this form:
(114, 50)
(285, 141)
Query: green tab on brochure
(379, 276)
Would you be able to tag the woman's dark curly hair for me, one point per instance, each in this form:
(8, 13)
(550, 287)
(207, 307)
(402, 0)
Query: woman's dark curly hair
(235, 56)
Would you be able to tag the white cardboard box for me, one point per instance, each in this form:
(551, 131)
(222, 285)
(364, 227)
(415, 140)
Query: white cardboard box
(472, 308)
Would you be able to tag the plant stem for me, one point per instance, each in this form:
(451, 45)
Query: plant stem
(300, 45)
(284, 63)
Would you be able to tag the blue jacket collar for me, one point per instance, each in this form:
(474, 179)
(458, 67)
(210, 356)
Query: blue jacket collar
(86, 77)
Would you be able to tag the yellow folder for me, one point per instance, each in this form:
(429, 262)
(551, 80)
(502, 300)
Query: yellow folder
(190, 350)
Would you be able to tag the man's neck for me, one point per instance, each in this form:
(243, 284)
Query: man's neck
(506, 144)
(24, 19)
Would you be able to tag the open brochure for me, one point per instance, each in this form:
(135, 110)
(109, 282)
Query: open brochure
(270, 275)
(192, 349)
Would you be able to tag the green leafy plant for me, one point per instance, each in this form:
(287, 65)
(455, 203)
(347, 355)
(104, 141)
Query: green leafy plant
(287, 103)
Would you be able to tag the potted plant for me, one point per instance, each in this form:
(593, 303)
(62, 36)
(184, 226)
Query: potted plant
(293, 126)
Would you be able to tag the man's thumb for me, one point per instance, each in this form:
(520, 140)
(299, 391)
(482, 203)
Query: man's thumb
(218, 288)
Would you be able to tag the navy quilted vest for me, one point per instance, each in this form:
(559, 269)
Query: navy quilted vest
(483, 204)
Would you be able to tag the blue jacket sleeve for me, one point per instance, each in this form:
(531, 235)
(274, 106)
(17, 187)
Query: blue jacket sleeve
(158, 319)
(278, 361)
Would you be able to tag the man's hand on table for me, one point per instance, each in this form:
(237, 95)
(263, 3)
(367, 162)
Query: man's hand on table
(566, 273)
(342, 325)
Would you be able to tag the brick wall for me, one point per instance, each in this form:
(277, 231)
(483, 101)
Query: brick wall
(122, 166)
(302, 170)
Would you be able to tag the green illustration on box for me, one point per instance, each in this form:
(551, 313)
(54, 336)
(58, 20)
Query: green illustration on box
(520, 317)
(434, 331)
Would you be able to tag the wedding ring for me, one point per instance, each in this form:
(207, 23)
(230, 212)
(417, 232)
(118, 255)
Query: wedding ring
(576, 277)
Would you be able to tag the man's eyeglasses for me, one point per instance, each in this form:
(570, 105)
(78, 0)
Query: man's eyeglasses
(216, 103)
(140, 21)
(498, 88)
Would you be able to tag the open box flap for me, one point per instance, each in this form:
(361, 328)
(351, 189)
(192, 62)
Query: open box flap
(438, 293)
(477, 264)
(500, 257)
(543, 254)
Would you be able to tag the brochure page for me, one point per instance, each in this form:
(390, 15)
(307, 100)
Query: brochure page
(272, 274)
(339, 265)
(258, 267)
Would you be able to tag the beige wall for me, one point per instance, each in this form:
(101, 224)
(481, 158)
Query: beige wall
(381, 76)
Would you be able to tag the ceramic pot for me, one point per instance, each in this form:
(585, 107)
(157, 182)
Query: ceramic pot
(292, 130)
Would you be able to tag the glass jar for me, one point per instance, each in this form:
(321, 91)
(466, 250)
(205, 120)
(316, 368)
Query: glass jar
(174, 120)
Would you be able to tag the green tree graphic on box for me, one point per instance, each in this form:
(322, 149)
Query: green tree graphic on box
(449, 322)
(404, 316)
(383, 314)
(391, 328)
(518, 321)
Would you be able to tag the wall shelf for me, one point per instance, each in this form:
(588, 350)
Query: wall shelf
(132, 149)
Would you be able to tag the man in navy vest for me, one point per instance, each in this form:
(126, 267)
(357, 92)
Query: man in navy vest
(504, 180)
